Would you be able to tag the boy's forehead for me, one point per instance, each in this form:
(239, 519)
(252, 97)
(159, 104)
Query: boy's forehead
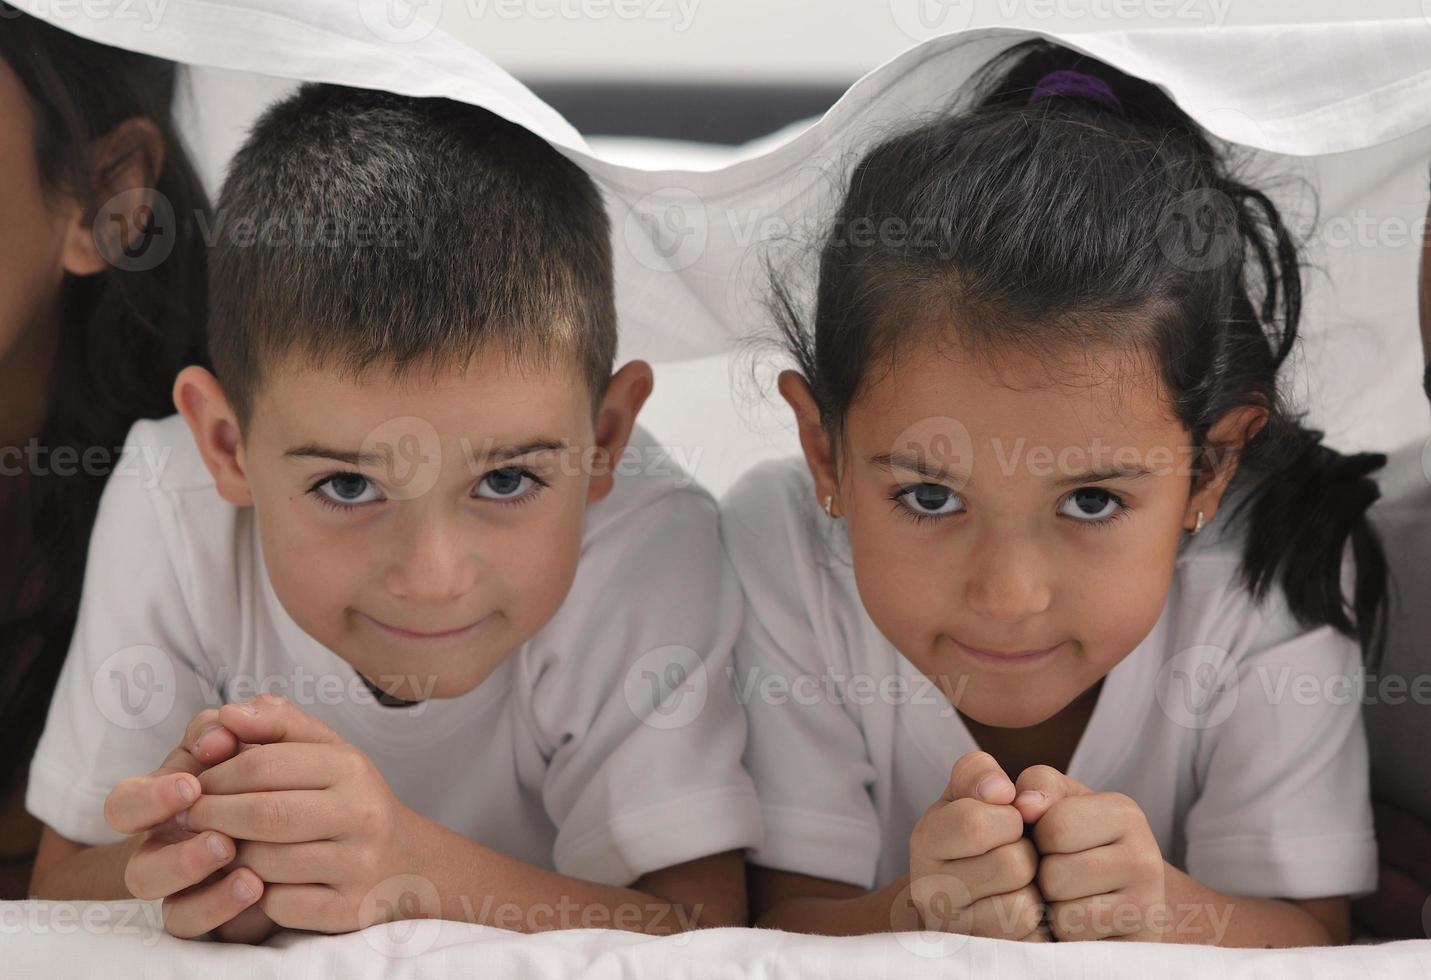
(487, 396)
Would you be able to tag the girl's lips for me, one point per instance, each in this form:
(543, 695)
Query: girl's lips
(1007, 657)
(420, 635)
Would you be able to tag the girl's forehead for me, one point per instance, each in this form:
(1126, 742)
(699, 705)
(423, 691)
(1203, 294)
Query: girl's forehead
(1065, 398)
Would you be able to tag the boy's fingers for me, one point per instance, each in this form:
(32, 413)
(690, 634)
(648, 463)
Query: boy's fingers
(269, 718)
(1040, 787)
(206, 739)
(252, 925)
(209, 906)
(285, 817)
(160, 868)
(978, 775)
(312, 863)
(139, 803)
(279, 766)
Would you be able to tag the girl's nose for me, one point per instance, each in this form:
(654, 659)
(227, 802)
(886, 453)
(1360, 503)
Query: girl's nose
(1007, 581)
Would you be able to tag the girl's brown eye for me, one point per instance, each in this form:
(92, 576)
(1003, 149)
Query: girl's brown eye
(930, 499)
(1091, 504)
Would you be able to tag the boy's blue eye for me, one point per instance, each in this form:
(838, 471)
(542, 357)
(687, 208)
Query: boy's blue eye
(349, 489)
(930, 500)
(504, 484)
(1091, 504)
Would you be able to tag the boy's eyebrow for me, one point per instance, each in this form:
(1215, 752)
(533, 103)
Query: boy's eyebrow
(316, 451)
(350, 458)
(499, 453)
(916, 464)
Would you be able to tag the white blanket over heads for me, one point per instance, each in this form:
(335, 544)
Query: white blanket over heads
(1337, 115)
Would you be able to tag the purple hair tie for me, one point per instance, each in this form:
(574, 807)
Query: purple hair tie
(1076, 85)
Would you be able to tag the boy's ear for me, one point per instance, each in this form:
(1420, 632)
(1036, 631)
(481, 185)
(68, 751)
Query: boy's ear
(125, 165)
(814, 440)
(201, 400)
(625, 394)
(1225, 441)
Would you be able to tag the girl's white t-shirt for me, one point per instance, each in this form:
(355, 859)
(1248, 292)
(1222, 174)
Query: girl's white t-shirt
(1236, 730)
(605, 747)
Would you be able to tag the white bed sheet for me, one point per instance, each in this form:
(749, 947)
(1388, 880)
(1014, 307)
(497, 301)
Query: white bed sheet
(122, 940)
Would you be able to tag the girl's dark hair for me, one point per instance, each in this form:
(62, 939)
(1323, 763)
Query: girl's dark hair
(1098, 213)
(123, 336)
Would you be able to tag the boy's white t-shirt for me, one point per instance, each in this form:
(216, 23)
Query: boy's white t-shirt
(1237, 731)
(606, 747)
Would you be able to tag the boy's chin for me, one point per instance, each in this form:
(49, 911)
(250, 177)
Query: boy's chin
(427, 677)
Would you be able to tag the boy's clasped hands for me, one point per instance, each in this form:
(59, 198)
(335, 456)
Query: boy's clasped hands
(262, 818)
(1092, 870)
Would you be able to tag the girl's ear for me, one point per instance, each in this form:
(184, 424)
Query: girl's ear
(201, 400)
(1225, 441)
(814, 440)
(125, 165)
(625, 394)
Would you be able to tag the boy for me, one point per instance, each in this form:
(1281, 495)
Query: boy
(402, 507)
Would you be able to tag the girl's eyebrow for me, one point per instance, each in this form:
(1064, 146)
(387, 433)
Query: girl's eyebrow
(916, 464)
(1100, 476)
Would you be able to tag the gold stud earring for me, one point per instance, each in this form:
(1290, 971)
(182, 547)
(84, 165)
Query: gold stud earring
(829, 503)
(1198, 526)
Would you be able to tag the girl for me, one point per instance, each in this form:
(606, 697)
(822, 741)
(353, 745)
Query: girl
(94, 326)
(1046, 637)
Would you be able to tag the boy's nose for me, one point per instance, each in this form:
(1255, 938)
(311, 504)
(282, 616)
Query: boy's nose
(1007, 581)
(436, 564)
